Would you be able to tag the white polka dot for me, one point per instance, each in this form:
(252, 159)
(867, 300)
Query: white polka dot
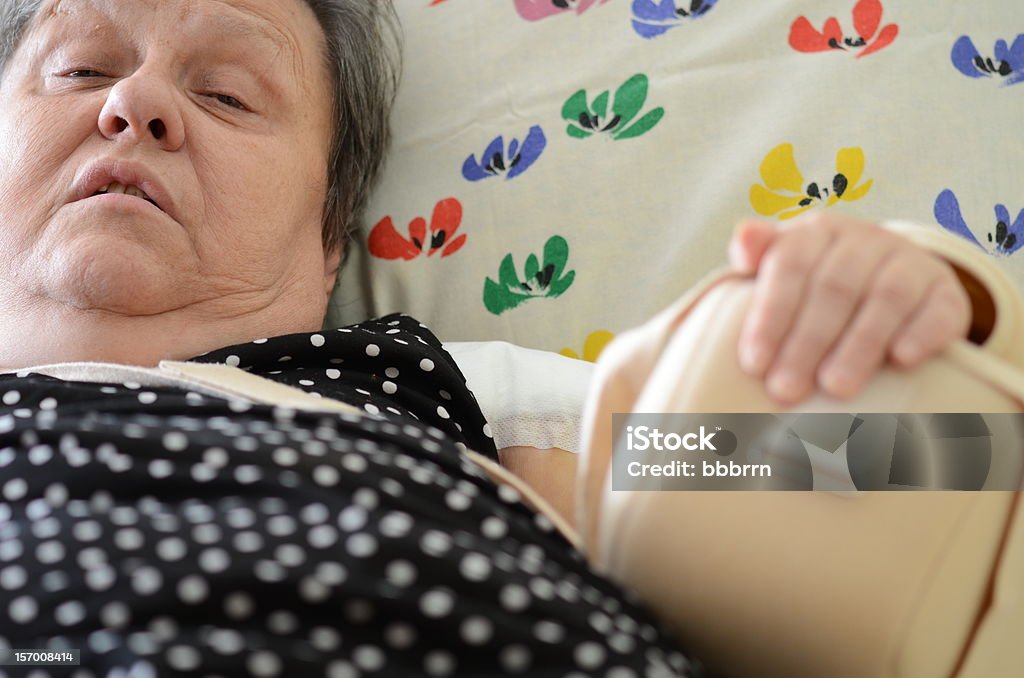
(401, 573)
(269, 571)
(515, 658)
(282, 622)
(331, 573)
(132, 384)
(494, 527)
(40, 454)
(233, 360)
(13, 577)
(389, 387)
(115, 615)
(372, 350)
(69, 613)
(147, 397)
(183, 657)
(475, 567)
(371, 408)
(514, 598)
(439, 663)
(326, 476)
(589, 655)
(307, 382)
(193, 590)
(436, 603)
(226, 641)
(549, 631)
(476, 630)
(170, 549)
(317, 340)
(264, 664)
(313, 591)
(214, 560)
(400, 635)
(146, 580)
(175, 441)
(324, 639)
(352, 518)
(457, 500)
(238, 605)
(443, 413)
(487, 431)
(11, 397)
(361, 545)
(396, 524)
(368, 657)
(322, 536)
(23, 609)
(427, 365)
(15, 489)
(333, 373)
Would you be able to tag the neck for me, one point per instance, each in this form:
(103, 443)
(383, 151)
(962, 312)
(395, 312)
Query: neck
(54, 333)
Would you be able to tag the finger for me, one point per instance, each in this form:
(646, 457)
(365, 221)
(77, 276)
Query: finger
(749, 242)
(944, 317)
(896, 292)
(837, 286)
(777, 292)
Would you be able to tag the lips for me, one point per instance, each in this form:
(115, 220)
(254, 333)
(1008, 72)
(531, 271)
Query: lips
(123, 176)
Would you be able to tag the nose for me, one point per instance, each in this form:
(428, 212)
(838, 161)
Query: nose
(141, 107)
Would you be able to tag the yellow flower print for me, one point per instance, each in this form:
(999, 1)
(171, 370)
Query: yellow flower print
(785, 194)
(592, 346)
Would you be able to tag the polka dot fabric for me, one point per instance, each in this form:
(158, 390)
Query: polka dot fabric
(167, 533)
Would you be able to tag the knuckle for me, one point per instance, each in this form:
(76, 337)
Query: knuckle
(869, 339)
(785, 260)
(836, 286)
(894, 288)
(808, 341)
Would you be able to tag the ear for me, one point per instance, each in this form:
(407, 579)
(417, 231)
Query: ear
(332, 262)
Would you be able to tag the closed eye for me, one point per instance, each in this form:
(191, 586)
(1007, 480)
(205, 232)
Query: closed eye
(85, 73)
(229, 100)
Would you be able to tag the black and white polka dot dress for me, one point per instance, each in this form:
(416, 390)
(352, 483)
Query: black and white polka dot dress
(164, 532)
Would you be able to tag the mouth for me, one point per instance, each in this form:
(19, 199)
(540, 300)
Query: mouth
(115, 176)
(133, 191)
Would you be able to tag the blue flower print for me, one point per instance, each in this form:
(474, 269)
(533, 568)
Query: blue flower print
(496, 161)
(1006, 239)
(1008, 61)
(652, 18)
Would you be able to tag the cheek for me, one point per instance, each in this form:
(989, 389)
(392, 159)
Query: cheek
(262, 191)
(36, 142)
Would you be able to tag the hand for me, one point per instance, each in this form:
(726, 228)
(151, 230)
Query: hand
(835, 297)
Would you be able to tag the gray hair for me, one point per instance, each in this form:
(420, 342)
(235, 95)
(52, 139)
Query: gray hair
(363, 57)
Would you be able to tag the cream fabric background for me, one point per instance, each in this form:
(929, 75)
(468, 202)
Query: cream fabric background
(646, 217)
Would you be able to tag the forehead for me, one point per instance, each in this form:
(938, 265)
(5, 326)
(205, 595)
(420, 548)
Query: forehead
(287, 25)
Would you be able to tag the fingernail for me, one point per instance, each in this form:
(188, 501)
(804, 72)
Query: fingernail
(784, 385)
(837, 380)
(908, 351)
(755, 359)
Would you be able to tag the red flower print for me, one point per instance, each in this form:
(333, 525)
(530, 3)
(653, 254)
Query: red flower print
(386, 243)
(867, 16)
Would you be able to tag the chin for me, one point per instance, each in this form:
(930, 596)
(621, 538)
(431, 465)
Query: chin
(119, 280)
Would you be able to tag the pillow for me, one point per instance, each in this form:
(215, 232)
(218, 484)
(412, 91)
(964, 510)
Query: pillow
(564, 170)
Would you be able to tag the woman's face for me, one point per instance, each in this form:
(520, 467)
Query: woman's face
(217, 110)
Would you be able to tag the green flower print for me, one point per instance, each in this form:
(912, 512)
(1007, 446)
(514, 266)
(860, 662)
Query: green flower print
(540, 279)
(586, 120)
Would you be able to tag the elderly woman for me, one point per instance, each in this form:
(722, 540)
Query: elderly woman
(179, 178)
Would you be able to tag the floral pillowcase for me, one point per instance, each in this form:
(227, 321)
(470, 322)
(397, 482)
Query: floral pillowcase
(563, 169)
